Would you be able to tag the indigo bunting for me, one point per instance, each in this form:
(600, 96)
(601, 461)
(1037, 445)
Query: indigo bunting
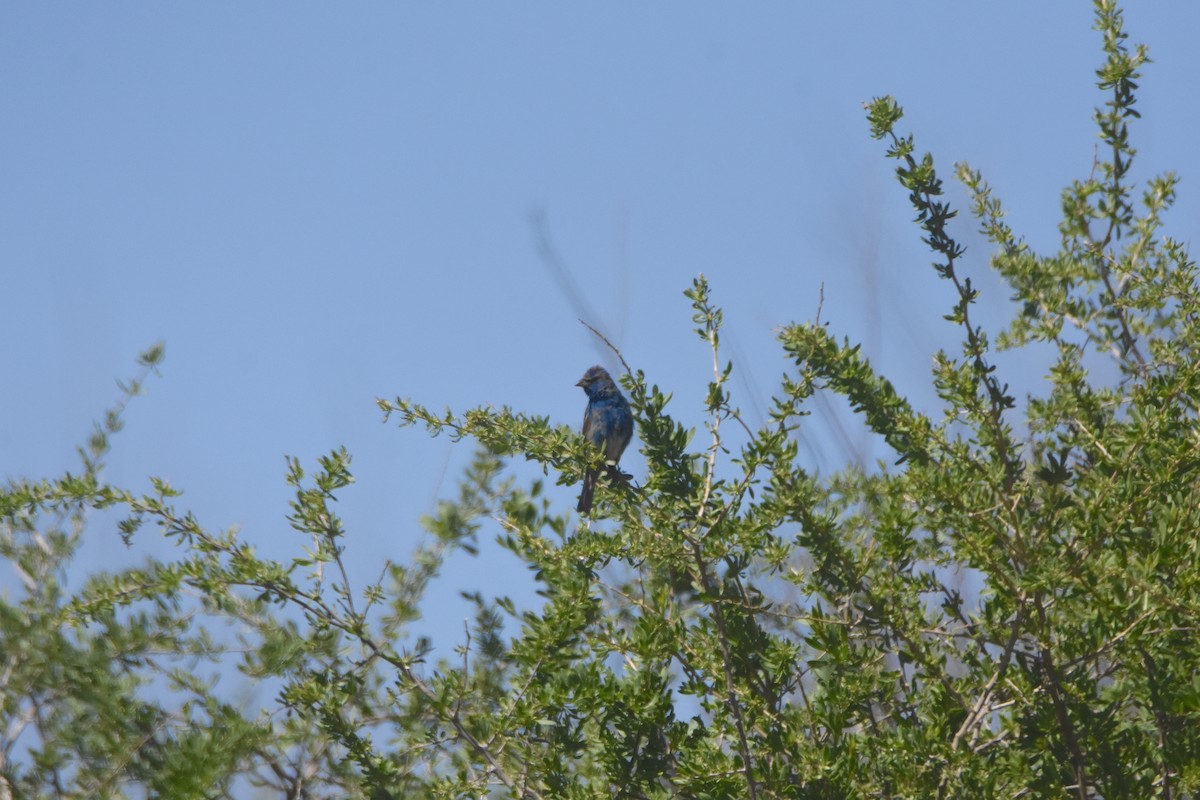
(607, 424)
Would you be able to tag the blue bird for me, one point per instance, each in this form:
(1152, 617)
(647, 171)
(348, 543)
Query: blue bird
(607, 424)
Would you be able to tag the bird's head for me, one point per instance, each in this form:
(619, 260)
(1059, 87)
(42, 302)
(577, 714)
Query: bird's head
(595, 378)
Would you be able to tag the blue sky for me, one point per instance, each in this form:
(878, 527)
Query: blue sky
(318, 204)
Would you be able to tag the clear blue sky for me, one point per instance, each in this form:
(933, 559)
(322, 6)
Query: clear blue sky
(318, 204)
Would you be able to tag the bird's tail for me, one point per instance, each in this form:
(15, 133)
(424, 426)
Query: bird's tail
(585, 496)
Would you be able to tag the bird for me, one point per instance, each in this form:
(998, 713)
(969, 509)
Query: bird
(607, 426)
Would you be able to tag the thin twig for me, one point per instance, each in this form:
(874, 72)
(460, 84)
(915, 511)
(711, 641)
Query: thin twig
(611, 346)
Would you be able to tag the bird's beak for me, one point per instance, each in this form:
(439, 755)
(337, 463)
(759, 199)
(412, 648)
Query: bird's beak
(580, 384)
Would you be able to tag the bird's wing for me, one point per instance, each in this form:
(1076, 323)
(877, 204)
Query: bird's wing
(587, 421)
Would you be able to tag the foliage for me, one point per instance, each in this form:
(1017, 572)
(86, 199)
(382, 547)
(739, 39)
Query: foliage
(1008, 607)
